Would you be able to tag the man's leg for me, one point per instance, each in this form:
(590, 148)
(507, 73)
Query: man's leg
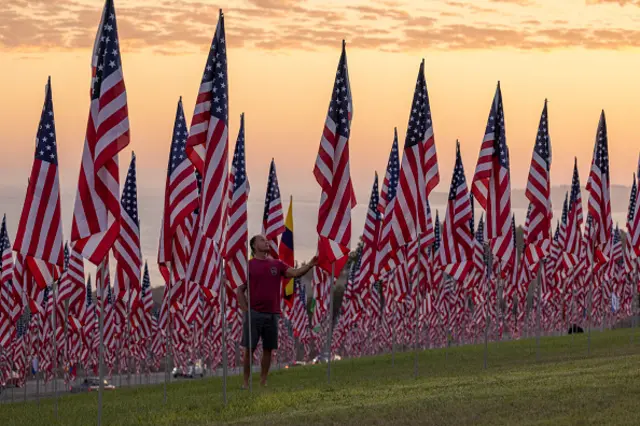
(269, 343)
(265, 366)
(247, 367)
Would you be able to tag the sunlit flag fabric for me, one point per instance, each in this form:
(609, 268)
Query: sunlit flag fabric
(538, 191)
(457, 240)
(208, 143)
(10, 291)
(272, 218)
(598, 187)
(365, 278)
(181, 198)
(72, 286)
(127, 250)
(386, 257)
(634, 217)
(39, 235)
(287, 255)
(418, 172)
(333, 175)
(236, 254)
(96, 212)
(572, 243)
(491, 184)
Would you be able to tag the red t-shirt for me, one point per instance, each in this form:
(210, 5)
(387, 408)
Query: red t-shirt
(265, 281)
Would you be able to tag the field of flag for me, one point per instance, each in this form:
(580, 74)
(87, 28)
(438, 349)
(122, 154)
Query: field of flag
(414, 282)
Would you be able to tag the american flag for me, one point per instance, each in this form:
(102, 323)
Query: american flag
(598, 187)
(386, 255)
(418, 173)
(127, 250)
(236, 254)
(143, 309)
(180, 202)
(72, 285)
(391, 175)
(10, 291)
(539, 190)
(457, 237)
(97, 211)
(491, 184)
(435, 264)
(272, 217)
(333, 174)
(633, 220)
(208, 142)
(39, 235)
(572, 242)
(366, 273)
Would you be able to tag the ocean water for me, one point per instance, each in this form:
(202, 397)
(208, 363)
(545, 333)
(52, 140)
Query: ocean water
(305, 211)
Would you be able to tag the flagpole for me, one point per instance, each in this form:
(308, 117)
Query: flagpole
(168, 344)
(539, 308)
(634, 302)
(55, 342)
(330, 330)
(249, 349)
(101, 349)
(486, 325)
(417, 319)
(223, 312)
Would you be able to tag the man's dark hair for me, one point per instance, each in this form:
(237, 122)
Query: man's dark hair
(252, 244)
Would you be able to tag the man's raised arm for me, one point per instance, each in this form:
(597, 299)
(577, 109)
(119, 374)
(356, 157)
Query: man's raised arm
(298, 272)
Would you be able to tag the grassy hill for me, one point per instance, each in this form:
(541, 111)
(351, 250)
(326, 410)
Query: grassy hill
(565, 387)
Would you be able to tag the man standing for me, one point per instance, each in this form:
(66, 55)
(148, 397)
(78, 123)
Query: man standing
(265, 281)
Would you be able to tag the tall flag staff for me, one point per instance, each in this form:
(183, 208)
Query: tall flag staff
(633, 228)
(208, 150)
(418, 176)
(491, 185)
(39, 235)
(539, 194)
(599, 206)
(333, 175)
(236, 255)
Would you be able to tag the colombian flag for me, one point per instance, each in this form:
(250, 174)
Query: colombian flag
(285, 253)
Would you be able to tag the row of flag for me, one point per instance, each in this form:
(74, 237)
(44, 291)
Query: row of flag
(412, 276)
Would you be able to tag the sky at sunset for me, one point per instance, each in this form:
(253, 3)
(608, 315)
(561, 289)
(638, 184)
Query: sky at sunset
(583, 56)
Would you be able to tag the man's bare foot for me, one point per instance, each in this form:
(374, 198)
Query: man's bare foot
(245, 386)
(263, 383)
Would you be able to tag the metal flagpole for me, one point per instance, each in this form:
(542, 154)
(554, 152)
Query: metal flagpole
(539, 308)
(486, 325)
(634, 303)
(417, 307)
(223, 312)
(250, 349)
(101, 352)
(330, 331)
(393, 342)
(55, 342)
(168, 344)
(66, 336)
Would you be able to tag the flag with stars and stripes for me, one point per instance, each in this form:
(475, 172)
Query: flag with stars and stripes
(39, 235)
(491, 185)
(181, 199)
(272, 218)
(418, 172)
(208, 142)
(236, 254)
(386, 257)
(366, 274)
(538, 190)
(333, 175)
(572, 242)
(10, 291)
(598, 187)
(457, 240)
(391, 175)
(96, 212)
(633, 220)
(72, 284)
(127, 250)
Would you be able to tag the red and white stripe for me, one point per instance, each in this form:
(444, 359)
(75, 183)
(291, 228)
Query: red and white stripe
(273, 218)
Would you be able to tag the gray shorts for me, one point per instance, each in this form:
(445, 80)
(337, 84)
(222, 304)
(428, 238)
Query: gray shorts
(263, 326)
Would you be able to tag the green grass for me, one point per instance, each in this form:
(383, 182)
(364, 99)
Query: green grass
(564, 387)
